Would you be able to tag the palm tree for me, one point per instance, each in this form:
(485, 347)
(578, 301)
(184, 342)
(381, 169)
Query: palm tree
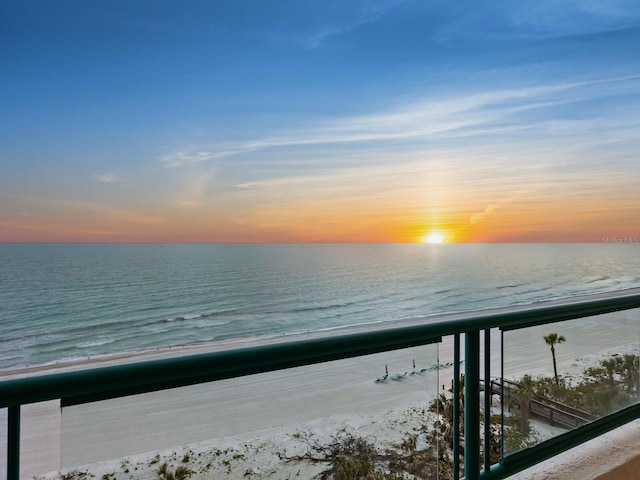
(551, 340)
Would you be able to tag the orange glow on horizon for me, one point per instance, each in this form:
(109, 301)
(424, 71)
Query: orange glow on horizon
(324, 221)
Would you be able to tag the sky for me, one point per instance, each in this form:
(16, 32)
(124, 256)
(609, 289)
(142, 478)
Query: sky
(306, 121)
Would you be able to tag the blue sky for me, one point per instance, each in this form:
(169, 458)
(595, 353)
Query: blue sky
(319, 121)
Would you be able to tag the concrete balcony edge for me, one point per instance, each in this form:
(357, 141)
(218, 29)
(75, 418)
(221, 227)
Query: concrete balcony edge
(612, 456)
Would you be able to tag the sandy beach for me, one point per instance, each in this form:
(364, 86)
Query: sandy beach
(244, 427)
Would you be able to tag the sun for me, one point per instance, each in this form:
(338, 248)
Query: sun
(434, 238)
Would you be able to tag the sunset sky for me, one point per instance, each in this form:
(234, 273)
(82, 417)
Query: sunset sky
(319, 121)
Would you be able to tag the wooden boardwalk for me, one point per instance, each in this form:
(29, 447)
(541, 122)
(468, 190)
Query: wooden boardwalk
(554, 412)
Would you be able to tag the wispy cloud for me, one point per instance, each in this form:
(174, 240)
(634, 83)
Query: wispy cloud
(369, 14)
(425, 119)
(186, 157)
(249, 185)
(534, 19)
(492, 207)
(480, 216)
(107, 178)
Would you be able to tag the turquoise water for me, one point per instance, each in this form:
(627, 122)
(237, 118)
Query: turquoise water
(61, 302)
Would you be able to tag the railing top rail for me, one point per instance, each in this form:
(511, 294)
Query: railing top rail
(122, 380)
(514, 318)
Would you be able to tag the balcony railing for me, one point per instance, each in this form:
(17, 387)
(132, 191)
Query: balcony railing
(472, 350)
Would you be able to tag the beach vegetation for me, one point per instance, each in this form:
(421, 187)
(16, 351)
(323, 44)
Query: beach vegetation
(442, 436)
(443, 406)
(347, 468)
(515, 437)
(187, 456)
(125, 465)
(418, 464)
(180, 473)
(495, 439)
(77, 475)
(521, 397)
(349, 457)
(611, 384)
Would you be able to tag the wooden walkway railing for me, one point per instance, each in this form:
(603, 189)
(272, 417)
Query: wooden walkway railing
(554, 412)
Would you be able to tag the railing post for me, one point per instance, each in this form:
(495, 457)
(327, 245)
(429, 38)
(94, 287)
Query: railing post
(456, 406)
(13, 443)
(472, 405)
(503, 400)
(488, 390)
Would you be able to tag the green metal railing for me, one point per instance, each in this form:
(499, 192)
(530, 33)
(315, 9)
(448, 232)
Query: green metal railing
(123, 380)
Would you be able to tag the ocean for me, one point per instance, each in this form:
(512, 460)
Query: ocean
(69, 301)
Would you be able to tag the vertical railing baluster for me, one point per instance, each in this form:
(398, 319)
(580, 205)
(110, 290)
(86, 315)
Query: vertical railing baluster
(13, 443)
(472, 405)
(487, 399)
(456, 406)
(502, 392)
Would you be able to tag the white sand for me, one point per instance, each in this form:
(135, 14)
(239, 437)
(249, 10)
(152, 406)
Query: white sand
(241, 426)
(244, 408)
